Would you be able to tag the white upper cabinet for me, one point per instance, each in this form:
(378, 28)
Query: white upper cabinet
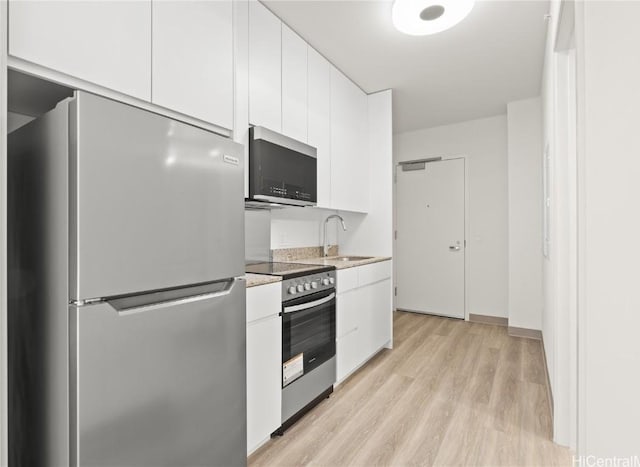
(104, 42)
(193, 58)
(295, 91)
(265, 67)
(319, 120)
(349, 145)
(294, 85)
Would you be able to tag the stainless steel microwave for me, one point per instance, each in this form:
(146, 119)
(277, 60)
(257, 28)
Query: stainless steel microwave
(282, 170)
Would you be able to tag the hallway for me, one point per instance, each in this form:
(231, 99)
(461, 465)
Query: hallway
(450, 393)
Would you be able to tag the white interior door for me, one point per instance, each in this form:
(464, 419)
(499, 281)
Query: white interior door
(431, 237)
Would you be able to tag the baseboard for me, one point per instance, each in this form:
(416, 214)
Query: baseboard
(427, 313)
(524, 332)
(484, 319)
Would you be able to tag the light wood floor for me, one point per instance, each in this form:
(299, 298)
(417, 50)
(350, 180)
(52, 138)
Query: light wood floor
(449, 393)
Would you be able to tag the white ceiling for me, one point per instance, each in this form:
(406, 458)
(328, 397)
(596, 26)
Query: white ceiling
(492, 57)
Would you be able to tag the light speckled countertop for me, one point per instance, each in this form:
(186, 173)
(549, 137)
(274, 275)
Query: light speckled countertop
(260, 279)
(339, 264)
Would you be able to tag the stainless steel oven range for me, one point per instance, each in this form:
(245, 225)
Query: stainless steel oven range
(308, 343)
(308, 336)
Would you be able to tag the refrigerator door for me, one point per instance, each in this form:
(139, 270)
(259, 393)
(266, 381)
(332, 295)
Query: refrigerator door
(155, 203)
(161, 383)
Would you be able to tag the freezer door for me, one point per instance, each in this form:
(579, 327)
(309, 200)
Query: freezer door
(161, 384)
(156, 203)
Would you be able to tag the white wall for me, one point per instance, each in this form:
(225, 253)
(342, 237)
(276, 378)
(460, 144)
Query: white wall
(257, 235)
(301, 227)
(560, 271)
(524, 120)
(607, 252)
(607, 37)
(563, 250)
(549, 309)
(294, 227)
(484, 141)
(372, 234)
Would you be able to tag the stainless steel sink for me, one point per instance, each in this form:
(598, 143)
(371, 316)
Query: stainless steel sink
(352, 258)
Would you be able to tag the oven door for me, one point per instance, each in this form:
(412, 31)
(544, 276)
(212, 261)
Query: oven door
(308, 334)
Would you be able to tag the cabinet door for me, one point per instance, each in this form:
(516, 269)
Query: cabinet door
(263, 301)
(265, 67)
(264, 363)
(363, 320)
(347, 312)
(376, 316)
(319, 120)
(107, 43)
(349, 354)
(294, 85)
(370, 273)
(347, 279)
(193, 58)
(349, 145)
(264, 350)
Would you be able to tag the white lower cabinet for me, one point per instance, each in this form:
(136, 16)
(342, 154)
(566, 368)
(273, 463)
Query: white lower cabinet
(348, 354)
(376, 306)
(364, 319)
(264, 361)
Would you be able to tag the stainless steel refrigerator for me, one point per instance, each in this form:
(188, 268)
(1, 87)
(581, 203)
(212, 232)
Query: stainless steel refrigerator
(126, 297)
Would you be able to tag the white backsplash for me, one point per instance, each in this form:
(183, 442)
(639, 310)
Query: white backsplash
(257, 235)
(289, 228)
(300, 227)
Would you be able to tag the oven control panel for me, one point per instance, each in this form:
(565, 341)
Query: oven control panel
(306, 285)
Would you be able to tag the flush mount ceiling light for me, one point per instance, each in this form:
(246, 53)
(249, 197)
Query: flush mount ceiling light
(422, 17)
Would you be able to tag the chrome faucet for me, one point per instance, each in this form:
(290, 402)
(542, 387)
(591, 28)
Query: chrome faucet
(326, 221)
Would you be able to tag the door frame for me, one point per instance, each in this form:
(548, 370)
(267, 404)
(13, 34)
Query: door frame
(430, 159)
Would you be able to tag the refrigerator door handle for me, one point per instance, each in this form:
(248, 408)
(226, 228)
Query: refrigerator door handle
(161, 305)
(157, 301)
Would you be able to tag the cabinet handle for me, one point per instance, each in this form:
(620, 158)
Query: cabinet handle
(306, 306)
(350, 331)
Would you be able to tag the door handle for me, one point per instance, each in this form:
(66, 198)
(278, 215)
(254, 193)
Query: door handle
(130, 305)
(170, 303)
(454, 248)
(306, 306)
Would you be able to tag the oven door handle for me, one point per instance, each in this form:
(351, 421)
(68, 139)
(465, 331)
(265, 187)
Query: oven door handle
(306, 306)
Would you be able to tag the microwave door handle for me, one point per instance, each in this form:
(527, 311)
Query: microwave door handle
(306, 306)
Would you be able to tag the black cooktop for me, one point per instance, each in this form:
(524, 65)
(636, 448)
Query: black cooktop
(286, 270)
